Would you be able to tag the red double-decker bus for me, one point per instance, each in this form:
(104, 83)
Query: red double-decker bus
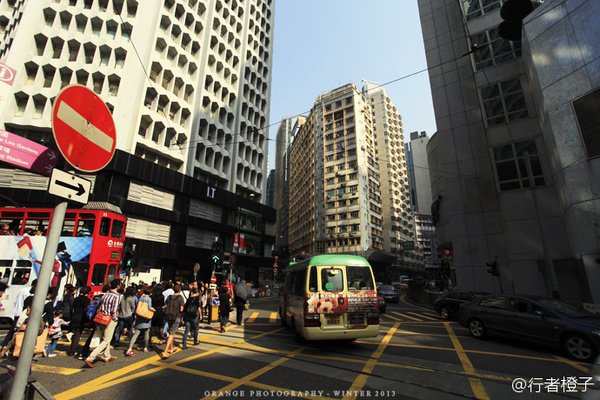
(89, 251)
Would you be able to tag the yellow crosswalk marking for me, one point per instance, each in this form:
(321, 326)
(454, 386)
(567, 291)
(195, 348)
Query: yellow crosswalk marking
(407, 316)
(424, 316)
(252, 318)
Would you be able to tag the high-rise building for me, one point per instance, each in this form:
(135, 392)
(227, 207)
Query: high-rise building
(187, 82)
(420, 192)
(288, 127)
(188, 85)
(515, 159)
(397, 216)
(337, 201)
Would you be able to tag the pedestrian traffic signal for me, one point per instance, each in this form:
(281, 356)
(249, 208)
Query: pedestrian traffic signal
(493, 268)
(217, 253)
(128, 257)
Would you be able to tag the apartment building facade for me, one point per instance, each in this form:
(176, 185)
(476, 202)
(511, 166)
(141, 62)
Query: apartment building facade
(390, 151)
(188, 85)
(342, 198)
(513, 165)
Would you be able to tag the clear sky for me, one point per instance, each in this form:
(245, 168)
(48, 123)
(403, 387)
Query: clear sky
(320, 45)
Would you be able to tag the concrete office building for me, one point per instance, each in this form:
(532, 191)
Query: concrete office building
(188, 85)
(515, 161)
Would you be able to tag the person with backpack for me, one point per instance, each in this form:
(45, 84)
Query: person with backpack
(89, 315)
(173, 308)
(192, 314)
(79, 318)
(67, 304)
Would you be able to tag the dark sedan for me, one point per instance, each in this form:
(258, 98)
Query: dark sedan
(536, 319)
(389, 293)
(447, 305)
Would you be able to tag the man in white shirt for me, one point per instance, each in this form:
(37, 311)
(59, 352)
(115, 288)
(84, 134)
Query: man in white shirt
(168, 291)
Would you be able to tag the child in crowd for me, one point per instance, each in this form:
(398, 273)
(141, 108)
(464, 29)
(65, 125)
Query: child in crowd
(55, 333)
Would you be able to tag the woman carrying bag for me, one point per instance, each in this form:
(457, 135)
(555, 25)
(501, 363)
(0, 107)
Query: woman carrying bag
(143, 321)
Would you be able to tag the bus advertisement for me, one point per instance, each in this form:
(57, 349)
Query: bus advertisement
(89, 252)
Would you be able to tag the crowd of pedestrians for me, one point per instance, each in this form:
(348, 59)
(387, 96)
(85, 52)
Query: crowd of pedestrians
(133, 314)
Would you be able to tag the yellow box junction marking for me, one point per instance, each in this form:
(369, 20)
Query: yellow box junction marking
(361, 379)
(476, 384)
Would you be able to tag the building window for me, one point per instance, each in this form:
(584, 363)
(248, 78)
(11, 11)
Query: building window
(476, 8)
(504, 102)
(511, 165)
(586, 112)
(492, 49)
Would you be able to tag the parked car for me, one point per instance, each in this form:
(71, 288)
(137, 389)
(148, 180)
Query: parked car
(536, 319)
(389, 293)
(382, 304)
(447, 305)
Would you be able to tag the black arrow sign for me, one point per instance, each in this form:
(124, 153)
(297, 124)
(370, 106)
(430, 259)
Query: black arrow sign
(79, 189)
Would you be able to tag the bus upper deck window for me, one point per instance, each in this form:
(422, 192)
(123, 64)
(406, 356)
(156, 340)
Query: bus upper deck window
(104, 226)
(86, 224)
(117, 229)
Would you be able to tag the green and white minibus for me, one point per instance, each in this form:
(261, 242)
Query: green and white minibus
(330, 297)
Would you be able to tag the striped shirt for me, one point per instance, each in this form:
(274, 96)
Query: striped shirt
(110, 304)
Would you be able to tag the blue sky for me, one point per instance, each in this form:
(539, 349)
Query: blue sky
(320, 45)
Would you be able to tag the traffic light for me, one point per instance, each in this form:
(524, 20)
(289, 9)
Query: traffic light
(128, 257)
(446, 270)
(217, 253)
(493, 268)
(513, 12)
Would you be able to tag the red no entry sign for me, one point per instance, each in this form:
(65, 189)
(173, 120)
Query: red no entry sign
(83, 128)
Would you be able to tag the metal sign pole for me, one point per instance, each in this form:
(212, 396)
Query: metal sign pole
(41, 290)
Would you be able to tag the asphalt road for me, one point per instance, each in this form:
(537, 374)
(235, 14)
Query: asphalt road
(416, 356)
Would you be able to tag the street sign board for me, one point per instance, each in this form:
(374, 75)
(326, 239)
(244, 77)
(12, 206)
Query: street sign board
(25, 153)
(408, 245)
(69, 186)
(213, 279)
(83, 128)
(196, 268)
